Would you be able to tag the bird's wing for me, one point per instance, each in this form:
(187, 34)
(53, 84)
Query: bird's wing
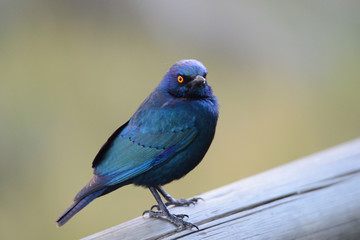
(133, 152)
(100, 155)
(130, 152)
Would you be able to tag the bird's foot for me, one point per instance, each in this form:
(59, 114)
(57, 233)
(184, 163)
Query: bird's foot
(183, 202)
(176, 219)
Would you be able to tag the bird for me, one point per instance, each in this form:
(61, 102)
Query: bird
(167, 137)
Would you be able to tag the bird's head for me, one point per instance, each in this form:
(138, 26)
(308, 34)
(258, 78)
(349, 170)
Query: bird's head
(187, 79)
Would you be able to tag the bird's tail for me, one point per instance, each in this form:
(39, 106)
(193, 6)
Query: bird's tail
(77, 206)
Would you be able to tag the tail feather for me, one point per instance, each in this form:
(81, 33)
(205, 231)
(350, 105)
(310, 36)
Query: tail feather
(77, 206)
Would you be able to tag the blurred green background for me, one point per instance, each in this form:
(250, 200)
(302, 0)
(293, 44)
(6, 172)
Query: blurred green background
(287, 75)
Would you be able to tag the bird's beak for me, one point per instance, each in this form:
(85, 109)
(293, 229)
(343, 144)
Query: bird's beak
(199, 81)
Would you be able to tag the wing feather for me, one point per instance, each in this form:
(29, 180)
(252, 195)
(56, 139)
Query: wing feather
(128, 153)
(134, 152)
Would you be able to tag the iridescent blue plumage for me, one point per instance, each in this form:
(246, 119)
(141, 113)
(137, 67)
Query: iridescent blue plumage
(166, 138)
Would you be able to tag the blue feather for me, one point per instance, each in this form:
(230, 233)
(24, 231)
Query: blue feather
(76, 207)
(167, 137)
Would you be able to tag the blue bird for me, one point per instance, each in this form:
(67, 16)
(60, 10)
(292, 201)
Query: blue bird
(166, 138)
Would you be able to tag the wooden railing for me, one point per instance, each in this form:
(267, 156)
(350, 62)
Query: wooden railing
(317, 197)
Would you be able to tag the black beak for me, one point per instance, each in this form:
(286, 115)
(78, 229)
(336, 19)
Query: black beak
(198, 81)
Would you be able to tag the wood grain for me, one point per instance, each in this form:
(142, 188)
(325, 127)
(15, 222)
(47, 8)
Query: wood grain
(317, 197)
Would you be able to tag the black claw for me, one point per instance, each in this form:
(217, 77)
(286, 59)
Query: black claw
(163, 212)
(176, 219)
(183, 202)
(152, 213)
(151, 209)
(193, 226)
(155, 206)
(179, 222)
(182, 216)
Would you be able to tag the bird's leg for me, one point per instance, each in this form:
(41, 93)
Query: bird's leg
(172, 201)
(163, 212)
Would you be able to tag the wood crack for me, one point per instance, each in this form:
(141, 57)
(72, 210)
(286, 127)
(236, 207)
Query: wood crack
(314, 187)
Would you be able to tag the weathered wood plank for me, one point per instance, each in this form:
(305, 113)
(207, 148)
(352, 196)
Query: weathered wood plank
(317, 197)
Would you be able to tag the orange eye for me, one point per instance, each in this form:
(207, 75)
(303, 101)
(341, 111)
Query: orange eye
(180, 79)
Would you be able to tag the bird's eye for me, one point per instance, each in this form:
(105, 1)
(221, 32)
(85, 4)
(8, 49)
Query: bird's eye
(180, 79)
